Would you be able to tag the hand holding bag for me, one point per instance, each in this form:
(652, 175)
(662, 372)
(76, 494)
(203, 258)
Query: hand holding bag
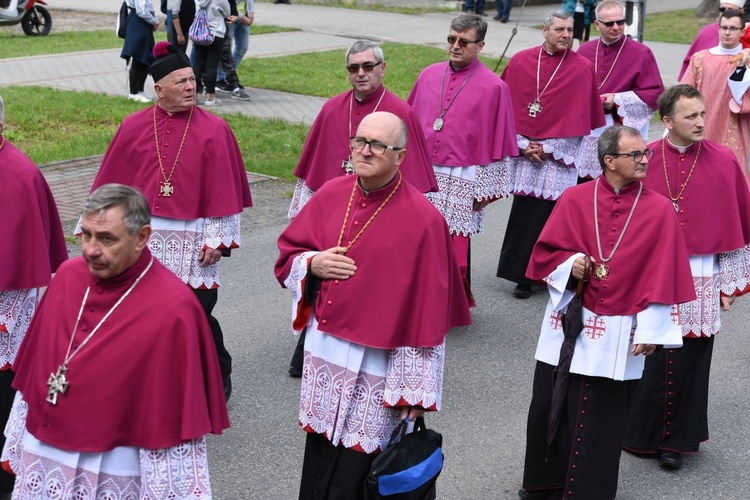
(409, 468)
(199, 31)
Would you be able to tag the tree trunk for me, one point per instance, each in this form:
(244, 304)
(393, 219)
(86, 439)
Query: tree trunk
(708, 9)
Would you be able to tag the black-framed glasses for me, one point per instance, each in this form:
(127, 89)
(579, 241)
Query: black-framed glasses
(723, 9)
(377, 148)
(638, 156)
(462, 42)
(609, 24)
(730, 29)
(366, 67)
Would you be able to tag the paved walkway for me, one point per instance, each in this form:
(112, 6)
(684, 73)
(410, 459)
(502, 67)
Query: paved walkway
(321, 29)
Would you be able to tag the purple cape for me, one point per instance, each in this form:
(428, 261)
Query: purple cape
(407, 290)
(210, 178)
(571, 104)
(651, 264)
(707, 37)
(327, 144)
(478, 128)
(147, 378)
(715, 206)
(636, 69)
(35, 245)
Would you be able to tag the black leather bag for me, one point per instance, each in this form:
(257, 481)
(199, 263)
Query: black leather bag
(122, 20)
(409, 468)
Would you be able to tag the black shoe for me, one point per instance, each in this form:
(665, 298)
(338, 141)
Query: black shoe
(497, 17)
(539, 495)
(522, 292)
(295, 372)
(227, 388)
(481, 13)
(223, 86)
(504, 20)
(670, 459)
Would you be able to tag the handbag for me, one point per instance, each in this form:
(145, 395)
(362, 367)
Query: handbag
(407, 469)
(122, 20)
(199, 31)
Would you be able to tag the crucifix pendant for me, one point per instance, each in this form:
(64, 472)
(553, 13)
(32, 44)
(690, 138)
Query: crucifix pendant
(57, 383)
(347, 166)
(166, 189)
(676, 206)
(601, 271)
(534, 108)
(437, 126)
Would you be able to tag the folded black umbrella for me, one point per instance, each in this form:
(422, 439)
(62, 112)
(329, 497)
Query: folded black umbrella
(572, 323)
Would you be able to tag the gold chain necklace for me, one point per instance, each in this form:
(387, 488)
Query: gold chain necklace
(596, 60)
(346, 165)
(349, 207)
(437, 125)
(166, 187)
(666, 175)
(58, 383)
(602, 270)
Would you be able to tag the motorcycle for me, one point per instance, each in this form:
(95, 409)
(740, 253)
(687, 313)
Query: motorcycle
(35, 19)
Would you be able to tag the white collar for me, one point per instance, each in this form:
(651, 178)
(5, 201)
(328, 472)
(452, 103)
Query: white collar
(721, 51)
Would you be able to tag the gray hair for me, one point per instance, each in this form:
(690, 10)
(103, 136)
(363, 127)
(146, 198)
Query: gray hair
(361, 46)
(668, 99)
(603, 4)
(2, 112)
(137, 211)
(465, 22)
(609, 142)
(555, 14)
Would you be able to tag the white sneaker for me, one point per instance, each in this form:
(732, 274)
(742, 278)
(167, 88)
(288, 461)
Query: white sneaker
(139, 97)
(212, 102)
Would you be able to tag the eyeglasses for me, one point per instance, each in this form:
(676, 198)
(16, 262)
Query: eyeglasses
(609, 24)
(461, 41)
(366, 67)
(638, 155)
(377, 148)
(729, 29)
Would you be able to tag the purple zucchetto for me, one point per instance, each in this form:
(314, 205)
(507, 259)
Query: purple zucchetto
(168, 59)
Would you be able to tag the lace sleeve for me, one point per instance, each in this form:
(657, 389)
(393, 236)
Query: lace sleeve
(302, 195)
(15, 430)
(414, 377)
(222, 232)
(493, 180)
(564, 149)
(177, 472)
(734, 271)
(633, 111)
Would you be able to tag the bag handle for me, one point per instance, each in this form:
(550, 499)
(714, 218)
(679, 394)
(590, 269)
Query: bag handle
(401, 427)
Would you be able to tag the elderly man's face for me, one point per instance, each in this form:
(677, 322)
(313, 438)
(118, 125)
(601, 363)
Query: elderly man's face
(376, 170)
(107, 246)
(611, 14)
(624, 170)
(176, 91)
(559, 35)
(364, 82)
(463, 56)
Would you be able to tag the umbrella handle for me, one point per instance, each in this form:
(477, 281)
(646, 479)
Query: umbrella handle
(586, 274)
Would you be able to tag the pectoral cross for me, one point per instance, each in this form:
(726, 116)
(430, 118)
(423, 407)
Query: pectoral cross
(534, 108)
(57, 383)
(166, 189)
(347, 166)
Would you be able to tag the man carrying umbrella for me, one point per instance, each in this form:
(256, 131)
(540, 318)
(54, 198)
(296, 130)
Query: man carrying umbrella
(639, 270)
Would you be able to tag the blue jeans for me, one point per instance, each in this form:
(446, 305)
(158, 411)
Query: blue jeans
(477, 6)
(240, 35)
(503, 8)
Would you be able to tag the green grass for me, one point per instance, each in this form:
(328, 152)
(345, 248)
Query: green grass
(324, 75)
(83, 124)
(19, 45)
(352, 4)
(679, 26)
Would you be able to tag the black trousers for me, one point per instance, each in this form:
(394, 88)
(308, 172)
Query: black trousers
(528, 215)
(208, 299)
(138, 74)
(227, 63)
(7, 393)
(333, 472)
(207, 62)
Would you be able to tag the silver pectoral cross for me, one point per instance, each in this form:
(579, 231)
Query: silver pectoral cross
(534, 108)
(347, 166)
(57, 383)
(166, 189)
(437, 126)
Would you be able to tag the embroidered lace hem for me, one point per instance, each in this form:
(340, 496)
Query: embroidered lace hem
(301, 196)
(16, 310)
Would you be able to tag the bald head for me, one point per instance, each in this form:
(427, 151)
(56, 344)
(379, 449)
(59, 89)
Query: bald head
(378, 149)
